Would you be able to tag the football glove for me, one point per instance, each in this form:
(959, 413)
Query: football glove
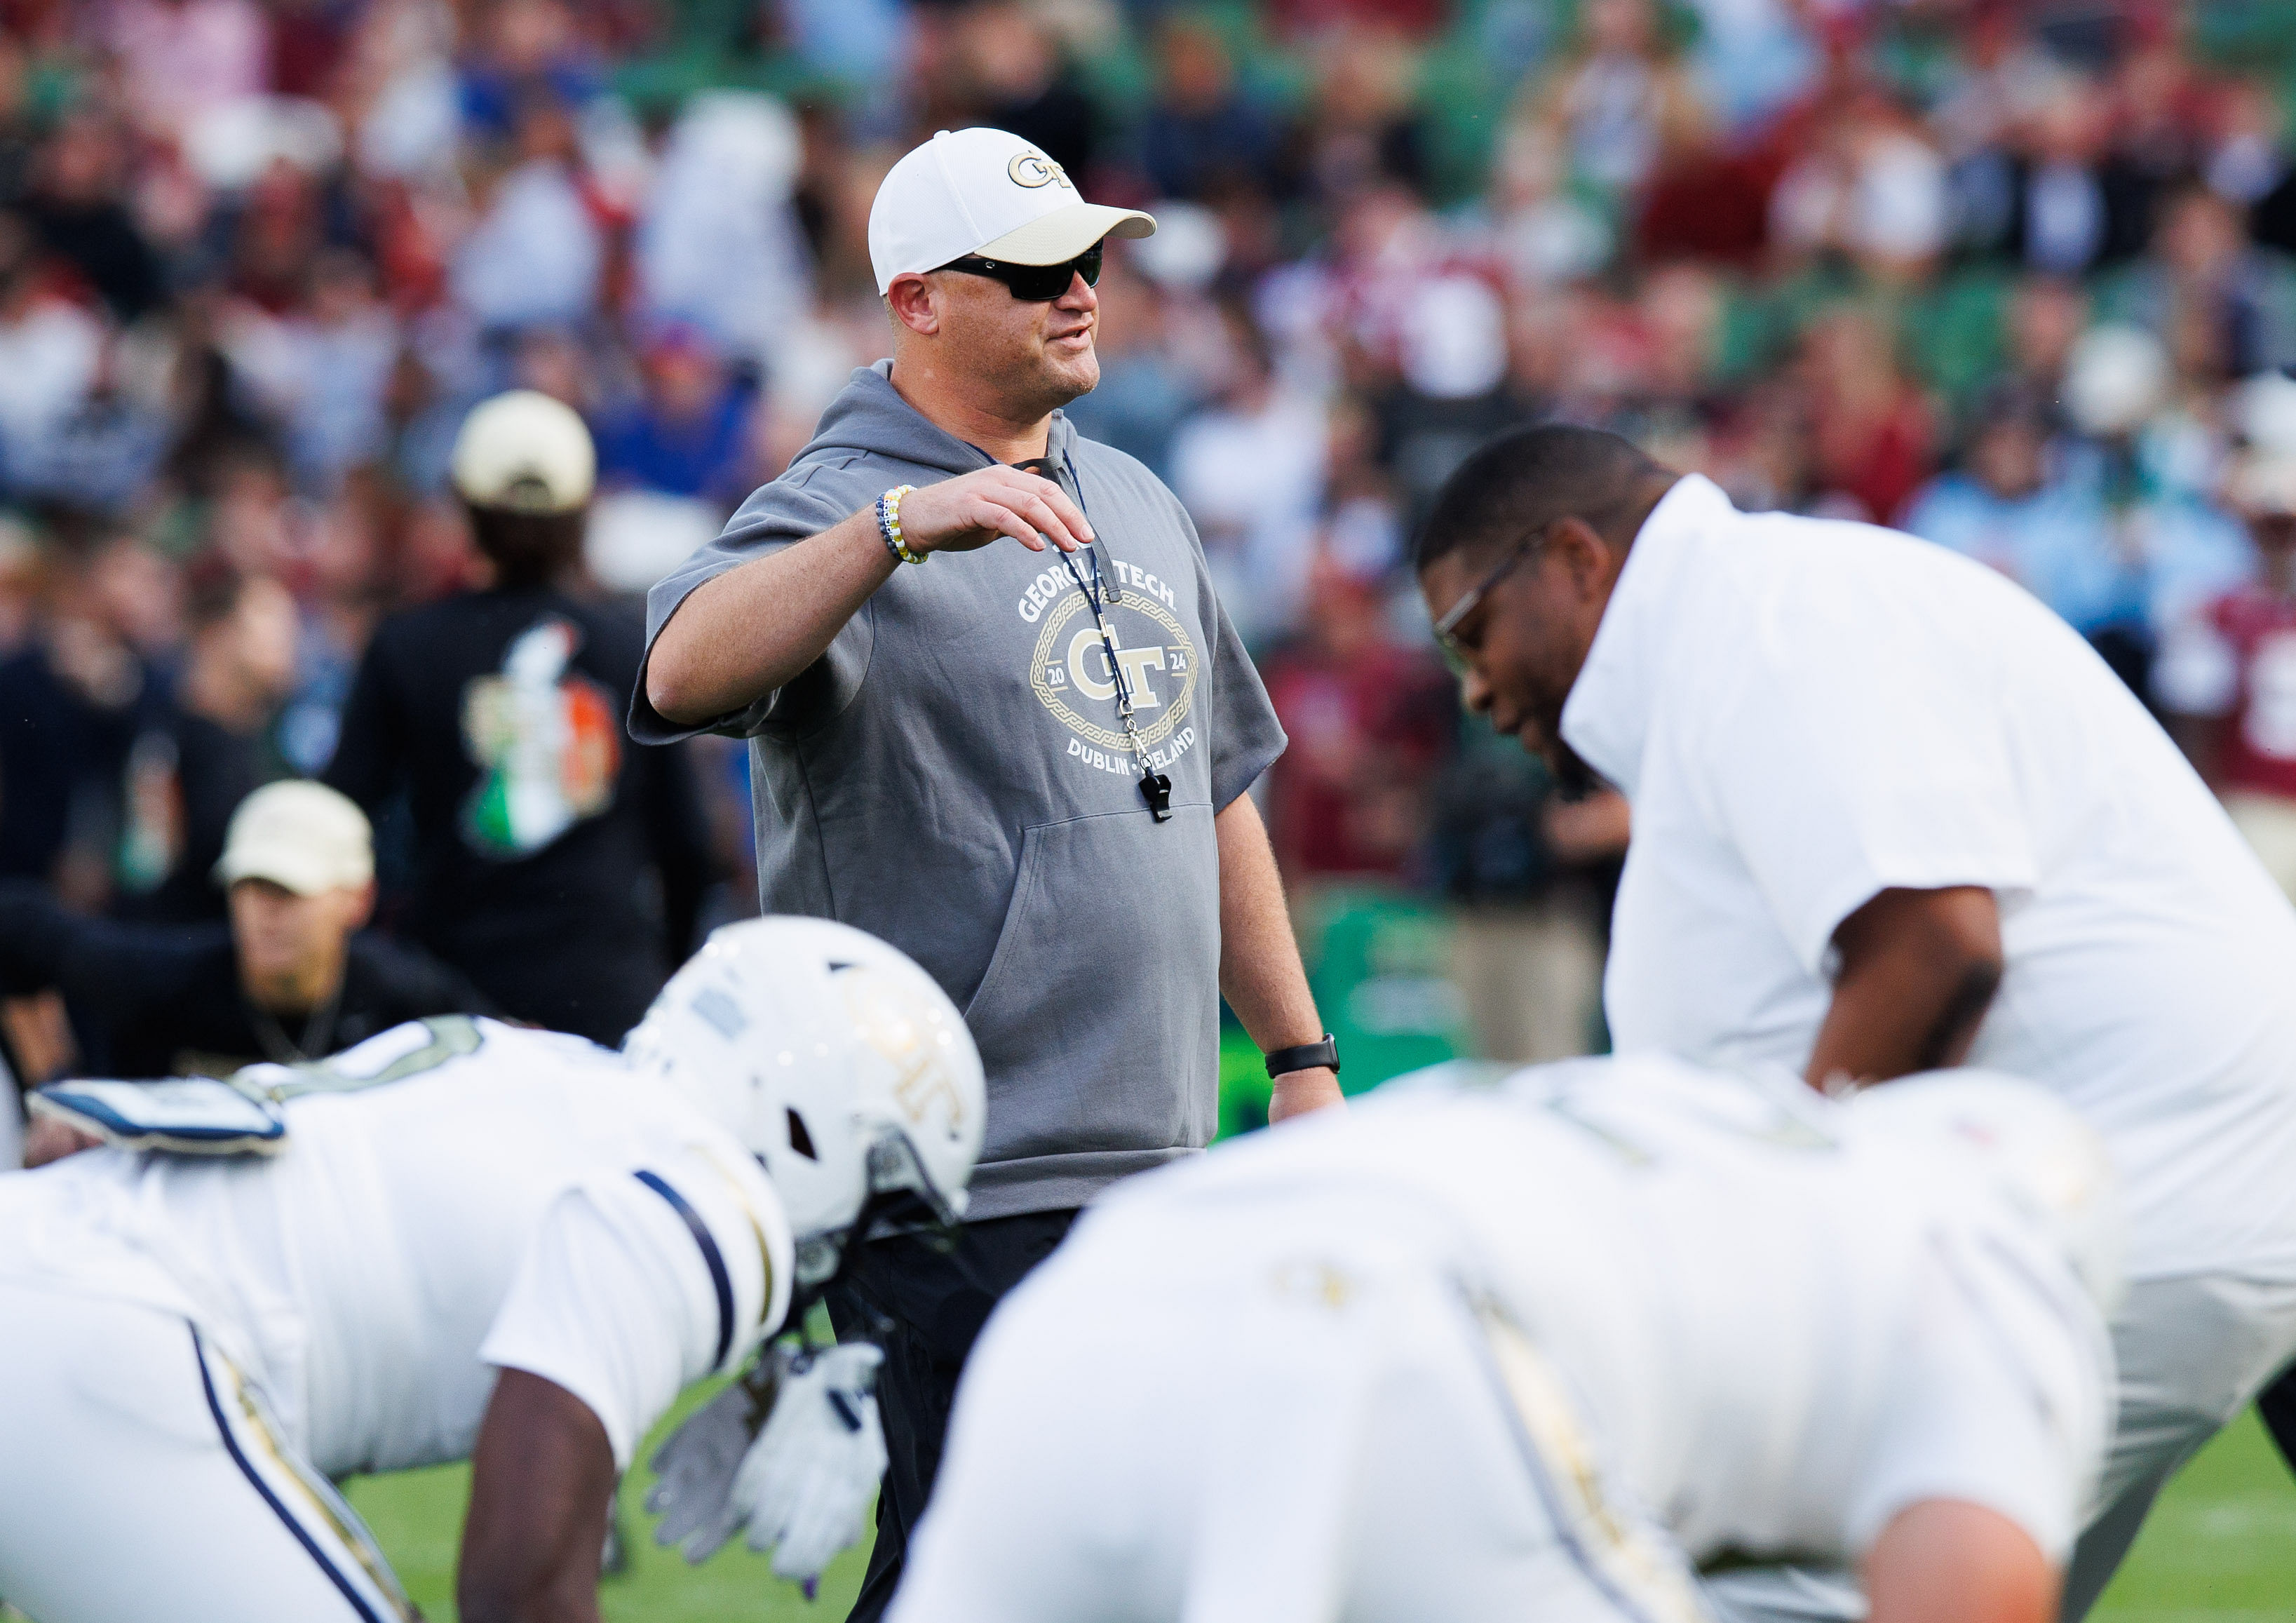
(694, 1494)
(801, 1484)
(804, 1487)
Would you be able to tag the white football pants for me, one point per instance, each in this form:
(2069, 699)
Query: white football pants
(140, 1480)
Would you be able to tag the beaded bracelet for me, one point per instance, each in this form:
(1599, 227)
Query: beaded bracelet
(889, 525)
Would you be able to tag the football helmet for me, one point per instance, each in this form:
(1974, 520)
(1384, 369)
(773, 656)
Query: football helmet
(840, 1063)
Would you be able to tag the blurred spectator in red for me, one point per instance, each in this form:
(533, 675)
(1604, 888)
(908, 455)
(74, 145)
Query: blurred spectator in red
(690, 431)
(1201, 127)
(1871, 425)
(1369, 719)
(274, 230)
(556, 864)
(2227, 677)
(1308, 20)
(207, 747)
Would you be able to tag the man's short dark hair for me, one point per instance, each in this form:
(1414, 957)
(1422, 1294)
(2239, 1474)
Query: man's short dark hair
(1527, 479)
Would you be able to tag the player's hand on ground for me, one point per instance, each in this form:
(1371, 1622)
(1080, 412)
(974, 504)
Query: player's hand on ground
(46, 1139)
(1296, 1093)
(694, 1496)
(958, 515)
(804, 1488)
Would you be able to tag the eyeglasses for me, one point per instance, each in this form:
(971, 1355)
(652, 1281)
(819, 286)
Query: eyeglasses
(1035, 284)
(1454, 654)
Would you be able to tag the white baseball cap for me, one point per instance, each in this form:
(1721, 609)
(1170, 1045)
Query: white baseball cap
(985, 191)
(298, 834)
(527, 452)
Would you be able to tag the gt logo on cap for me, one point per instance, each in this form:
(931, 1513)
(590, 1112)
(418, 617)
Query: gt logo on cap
(1034, 169)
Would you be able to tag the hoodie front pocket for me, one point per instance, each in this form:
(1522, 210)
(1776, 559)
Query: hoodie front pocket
(1098, 1018)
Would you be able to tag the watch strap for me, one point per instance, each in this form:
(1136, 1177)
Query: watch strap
(1305, 1056)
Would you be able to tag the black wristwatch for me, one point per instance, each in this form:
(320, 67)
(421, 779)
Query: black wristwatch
(1305, 1056)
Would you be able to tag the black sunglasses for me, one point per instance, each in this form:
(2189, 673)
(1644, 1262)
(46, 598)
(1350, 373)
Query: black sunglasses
(1035, 283)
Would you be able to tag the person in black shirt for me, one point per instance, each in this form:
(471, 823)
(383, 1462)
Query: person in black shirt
(205, 747)
(291, 978)
(558, 864)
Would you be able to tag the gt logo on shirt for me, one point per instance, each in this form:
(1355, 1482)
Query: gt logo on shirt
(1156, 661)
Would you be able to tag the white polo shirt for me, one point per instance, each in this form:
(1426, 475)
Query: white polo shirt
(1806, 712)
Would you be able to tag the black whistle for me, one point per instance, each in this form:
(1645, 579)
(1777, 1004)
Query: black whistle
(1156, 789)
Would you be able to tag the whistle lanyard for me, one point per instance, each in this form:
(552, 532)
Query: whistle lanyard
(1155, 787)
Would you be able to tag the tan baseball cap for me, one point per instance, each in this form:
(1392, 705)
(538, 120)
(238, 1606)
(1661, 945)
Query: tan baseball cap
(985, 191)
(298, 834)
(526, 452)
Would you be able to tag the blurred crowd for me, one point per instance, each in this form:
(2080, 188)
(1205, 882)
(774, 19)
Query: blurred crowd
(2015, 276)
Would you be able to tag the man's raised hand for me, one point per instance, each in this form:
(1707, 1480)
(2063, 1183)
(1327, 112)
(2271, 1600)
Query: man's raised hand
(963, 514)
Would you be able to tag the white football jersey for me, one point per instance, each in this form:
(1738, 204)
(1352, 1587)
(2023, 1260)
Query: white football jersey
(1726, 1271)
(455, 1196)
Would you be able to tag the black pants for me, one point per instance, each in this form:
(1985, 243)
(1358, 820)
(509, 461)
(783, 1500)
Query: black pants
(937, 1300)
(2277, 1406)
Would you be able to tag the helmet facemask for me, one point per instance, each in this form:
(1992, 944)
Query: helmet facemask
(902, 1199)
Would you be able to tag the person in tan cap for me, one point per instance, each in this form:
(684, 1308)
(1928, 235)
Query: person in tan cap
(293, 976)
(539, 829)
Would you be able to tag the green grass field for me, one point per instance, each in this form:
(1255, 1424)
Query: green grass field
(2220, 1548)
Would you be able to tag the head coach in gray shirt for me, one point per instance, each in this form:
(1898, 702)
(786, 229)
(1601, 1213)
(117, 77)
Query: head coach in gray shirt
(1025, 764)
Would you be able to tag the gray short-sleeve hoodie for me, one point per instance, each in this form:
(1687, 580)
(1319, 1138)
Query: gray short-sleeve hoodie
(952, 776)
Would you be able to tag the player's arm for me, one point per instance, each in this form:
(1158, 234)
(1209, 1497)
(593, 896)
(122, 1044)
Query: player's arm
(636, 1285)
(1945, 1561)
(1917, 969)
(754, 629)
(542, 1483)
